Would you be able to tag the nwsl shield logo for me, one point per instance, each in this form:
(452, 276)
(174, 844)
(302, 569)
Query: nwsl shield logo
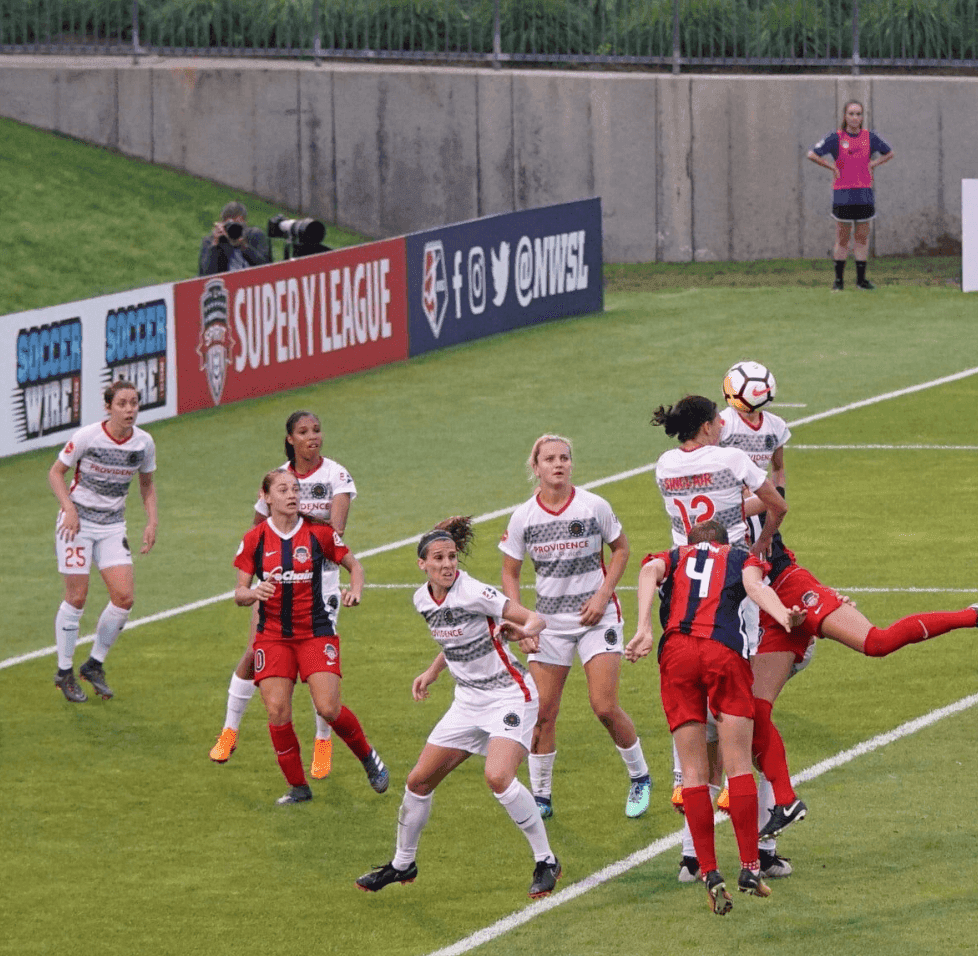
(216, 344)
(434, 288)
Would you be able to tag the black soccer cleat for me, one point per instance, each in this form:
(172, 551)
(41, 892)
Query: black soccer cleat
(93, 672)
(299, 794)
(545, 806)
(689, 870)
(381, 876)
(716, 889)
(865, 284)
(774, 867)
(377, 773)
(70, 687)
(783, 815)
(545, 876)
(838, 285)
(751, 883)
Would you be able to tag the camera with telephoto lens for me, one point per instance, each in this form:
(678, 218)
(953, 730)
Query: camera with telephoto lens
(233, 230)
(303, 237)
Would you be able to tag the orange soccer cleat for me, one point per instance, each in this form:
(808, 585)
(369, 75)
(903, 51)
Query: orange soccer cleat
(723, 801)
(226, 745)
(322, 758)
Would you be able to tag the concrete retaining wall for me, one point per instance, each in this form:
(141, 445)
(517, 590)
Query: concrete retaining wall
(688, 167)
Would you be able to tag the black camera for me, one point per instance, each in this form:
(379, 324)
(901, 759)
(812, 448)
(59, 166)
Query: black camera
(233, 230)
(303, 237)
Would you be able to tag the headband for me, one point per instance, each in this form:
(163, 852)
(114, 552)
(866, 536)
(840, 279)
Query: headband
(439, 534)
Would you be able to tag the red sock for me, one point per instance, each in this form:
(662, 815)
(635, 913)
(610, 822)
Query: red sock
(351, 733)
(914, 629)
(286, 746)
(743, 815)
(768, 750)
(699, 815)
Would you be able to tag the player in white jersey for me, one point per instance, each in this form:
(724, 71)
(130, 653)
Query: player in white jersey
(325, 493)
(495, 704)
(563, 530)
(91, 529)
(700, 481)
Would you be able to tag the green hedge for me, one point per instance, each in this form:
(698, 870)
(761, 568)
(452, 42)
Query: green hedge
(715, 29)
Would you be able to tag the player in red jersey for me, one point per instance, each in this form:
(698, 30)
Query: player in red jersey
(295, 633)
(703, 663)
(827, 614)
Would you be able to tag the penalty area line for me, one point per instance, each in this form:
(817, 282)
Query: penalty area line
(515, 920)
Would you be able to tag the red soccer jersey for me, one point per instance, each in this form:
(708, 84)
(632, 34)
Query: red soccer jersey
(294, 563)
(702, 592)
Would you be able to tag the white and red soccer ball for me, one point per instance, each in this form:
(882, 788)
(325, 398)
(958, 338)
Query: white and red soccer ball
(748, 386)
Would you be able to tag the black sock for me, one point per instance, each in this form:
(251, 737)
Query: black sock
(860, 271)
(840, 267)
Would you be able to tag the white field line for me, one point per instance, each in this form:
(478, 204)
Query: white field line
(501, 512)
(614, 870)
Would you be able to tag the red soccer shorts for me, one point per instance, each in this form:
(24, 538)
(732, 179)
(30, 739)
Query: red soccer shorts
(801, 587)
(695, 672)
(297, 658)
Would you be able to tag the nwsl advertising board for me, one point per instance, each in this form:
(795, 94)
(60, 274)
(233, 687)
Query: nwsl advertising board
(504, 272)
(58, 361)
(257, 331)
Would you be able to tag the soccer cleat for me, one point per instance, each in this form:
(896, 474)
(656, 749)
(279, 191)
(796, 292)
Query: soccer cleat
(716, 889)
(638, 797)
(299, 794)
(92, 671)
(545, 876)
(837, 286)
(381, 876)
(773, 867)
(677, 799)
(227, 743)
(689, 870)
(377, 773)
(322, 758)
(723, 801)
(864, 284)
(751, 883)
(974, 607)
(545, 806)
(70, 687)
(783, 815)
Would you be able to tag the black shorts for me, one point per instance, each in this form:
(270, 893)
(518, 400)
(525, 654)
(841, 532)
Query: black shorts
(854, 212)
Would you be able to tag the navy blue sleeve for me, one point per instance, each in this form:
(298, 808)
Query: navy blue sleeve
(828, 145)
(878, 145)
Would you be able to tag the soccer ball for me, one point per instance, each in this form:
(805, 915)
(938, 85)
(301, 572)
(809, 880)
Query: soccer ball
(748, 386)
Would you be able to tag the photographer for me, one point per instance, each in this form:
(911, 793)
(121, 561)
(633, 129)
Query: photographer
(233, 244)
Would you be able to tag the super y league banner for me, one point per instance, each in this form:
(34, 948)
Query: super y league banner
(503, 272)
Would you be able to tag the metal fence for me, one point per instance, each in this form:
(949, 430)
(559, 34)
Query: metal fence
(659, 34)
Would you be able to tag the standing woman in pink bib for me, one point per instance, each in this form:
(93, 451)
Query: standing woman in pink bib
(851, 154)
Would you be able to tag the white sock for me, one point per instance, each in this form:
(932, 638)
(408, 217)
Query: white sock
(411, 820)
(677, 767)
(542, 773)
(765, 800)
(518, 802)
(110, 624)
(323, 729)
(688, 848)
(66, 624)
(634, 760)
(240, 693)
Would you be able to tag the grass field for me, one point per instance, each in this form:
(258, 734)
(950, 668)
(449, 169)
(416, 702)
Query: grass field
(120, 835)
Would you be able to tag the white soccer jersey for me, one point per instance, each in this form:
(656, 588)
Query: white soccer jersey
(566, 548)
(464, 626)
(317, 489)
(706, 483)
(759, 441)
(104, 469)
